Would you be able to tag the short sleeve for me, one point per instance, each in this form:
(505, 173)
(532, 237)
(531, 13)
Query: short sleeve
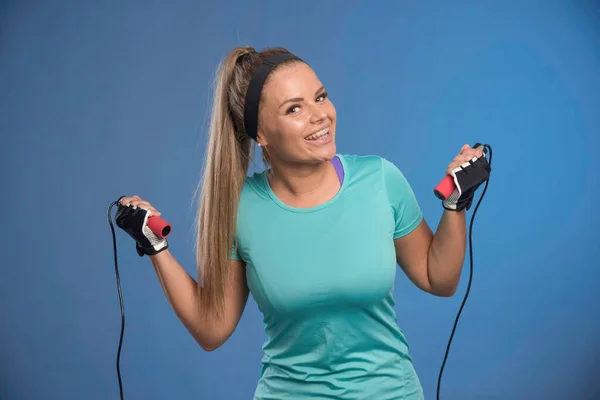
(407, 212)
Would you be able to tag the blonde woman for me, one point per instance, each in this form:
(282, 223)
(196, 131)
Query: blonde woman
(316, 238)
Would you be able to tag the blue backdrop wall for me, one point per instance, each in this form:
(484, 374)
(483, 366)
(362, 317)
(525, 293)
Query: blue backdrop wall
(101, 99)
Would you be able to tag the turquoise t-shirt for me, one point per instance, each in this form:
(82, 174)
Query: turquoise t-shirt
(323, 278)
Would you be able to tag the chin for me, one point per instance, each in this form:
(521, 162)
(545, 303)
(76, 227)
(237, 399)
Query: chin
(315, 153)
(324, 155)
(331, 152)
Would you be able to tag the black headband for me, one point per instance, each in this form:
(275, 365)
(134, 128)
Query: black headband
(255, 90)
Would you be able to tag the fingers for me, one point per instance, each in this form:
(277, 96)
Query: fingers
(126, 201)
(466, 154)
(137, 202)
(452, 167)
(468, 150)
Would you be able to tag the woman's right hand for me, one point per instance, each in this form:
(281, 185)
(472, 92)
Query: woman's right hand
(132, 217)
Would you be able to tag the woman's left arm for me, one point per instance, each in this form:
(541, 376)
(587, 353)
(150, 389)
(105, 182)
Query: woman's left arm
(434, 262)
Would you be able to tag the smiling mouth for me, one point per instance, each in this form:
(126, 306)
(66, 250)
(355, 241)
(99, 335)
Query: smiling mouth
(322, 134)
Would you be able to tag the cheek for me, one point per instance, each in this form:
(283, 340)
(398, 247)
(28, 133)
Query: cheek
(292, 127)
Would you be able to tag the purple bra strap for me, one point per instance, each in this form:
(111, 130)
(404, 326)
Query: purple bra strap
(338, 168)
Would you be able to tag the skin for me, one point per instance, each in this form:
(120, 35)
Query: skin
(303, 176)
(433, 262)
(295, 105)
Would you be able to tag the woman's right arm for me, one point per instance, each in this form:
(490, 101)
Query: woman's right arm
(182, 290)
(182, 293)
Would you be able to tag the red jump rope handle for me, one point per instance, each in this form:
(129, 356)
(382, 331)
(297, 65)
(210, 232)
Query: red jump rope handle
(159, 226)
(445, 188)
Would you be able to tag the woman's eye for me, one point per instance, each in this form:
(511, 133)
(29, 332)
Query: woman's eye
(293, 109)
(322, 97)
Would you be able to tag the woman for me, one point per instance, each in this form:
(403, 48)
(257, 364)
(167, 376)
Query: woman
(316, 238)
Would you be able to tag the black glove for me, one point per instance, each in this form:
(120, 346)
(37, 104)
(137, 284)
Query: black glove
(133, 220)
(467, 178)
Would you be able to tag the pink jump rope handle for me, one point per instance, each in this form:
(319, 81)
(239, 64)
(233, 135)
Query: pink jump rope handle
(446, 187)
(159, 226)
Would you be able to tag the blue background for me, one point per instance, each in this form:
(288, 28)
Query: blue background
(101, 99)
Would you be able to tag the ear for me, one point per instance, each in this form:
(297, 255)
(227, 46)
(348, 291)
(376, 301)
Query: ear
(261, 139)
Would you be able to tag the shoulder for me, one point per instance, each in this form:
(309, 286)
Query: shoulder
(254, 202)
(361, 161)
(369, 165)
(380, 173)
(254, 187)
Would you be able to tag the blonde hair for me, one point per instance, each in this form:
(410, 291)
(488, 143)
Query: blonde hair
(226, 163)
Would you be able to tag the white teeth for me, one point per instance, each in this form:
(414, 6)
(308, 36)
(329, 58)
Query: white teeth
(319, 134)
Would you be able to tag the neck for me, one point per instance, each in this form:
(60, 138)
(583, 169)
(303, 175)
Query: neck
(304, 185)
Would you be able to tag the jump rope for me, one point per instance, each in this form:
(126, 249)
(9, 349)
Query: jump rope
(443, 191)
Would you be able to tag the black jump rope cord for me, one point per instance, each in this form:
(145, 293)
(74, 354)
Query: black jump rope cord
(470, 276)
(112, 228)
(451, 334)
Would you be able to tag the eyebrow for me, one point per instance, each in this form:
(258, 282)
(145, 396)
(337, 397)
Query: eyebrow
(297, 99)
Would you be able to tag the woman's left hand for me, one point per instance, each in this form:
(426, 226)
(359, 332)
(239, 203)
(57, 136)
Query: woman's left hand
(465, 155)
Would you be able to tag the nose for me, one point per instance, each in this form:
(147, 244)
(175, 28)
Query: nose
(317, 113)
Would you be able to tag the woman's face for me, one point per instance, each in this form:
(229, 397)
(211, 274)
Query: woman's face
(297, 120)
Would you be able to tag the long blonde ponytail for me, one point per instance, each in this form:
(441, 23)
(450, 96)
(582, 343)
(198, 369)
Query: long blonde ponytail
(227, 159)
